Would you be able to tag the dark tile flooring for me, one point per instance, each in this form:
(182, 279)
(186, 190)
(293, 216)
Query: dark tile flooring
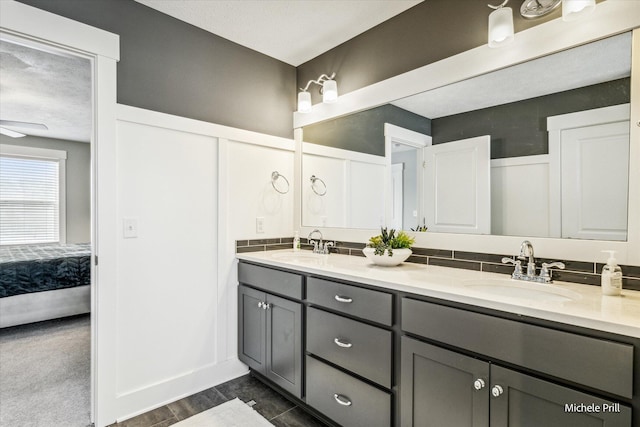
(280, 411)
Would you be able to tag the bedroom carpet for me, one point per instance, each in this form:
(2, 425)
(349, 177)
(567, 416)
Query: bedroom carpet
(45, 374)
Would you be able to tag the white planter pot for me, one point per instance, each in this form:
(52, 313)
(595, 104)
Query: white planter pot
(399, 255)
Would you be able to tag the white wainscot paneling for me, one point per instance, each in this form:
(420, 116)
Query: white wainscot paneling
(167, 276)
(327, 210)
(366, 181)
(251, 195)
(520, 196)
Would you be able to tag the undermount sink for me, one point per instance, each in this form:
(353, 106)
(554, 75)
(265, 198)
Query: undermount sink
(522, 290)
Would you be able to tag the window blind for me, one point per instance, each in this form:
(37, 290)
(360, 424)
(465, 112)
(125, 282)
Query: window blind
(29, 200)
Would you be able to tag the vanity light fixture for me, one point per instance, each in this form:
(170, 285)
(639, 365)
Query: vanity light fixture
(500, 25)
(328, 89)
(576, 9)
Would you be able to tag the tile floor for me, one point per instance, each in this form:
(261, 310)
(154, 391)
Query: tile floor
(280, 411)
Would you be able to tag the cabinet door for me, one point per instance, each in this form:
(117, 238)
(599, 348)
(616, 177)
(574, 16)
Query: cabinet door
(524, 401)
(284, 344)
(438, 387)
(251, 328)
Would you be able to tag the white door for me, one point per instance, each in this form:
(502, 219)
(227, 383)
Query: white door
(595, 181)
(397, 195)
(458, 186)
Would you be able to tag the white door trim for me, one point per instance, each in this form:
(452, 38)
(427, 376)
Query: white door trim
(19, 22)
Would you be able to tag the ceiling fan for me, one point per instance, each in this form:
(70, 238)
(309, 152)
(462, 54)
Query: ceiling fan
(24, 125)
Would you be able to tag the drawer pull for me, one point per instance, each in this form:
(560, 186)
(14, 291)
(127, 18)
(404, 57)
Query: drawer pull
(343, 299)
(342, 399)
(341, 343)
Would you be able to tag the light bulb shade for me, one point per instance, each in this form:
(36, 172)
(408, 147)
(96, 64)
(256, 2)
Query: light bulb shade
(500, 27)
(576, 9)
(329, 91)
(304, 102)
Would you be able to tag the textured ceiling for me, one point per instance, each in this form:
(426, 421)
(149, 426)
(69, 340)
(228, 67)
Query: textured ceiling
(293, 31)
(47, 88)
(593, 63)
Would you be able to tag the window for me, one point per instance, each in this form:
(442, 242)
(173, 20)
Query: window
(31, 195)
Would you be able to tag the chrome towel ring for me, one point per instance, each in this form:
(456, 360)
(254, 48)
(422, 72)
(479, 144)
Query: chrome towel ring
(313, 180)
(274, 177)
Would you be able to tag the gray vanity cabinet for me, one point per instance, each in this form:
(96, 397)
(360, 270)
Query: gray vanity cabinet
(442, 387)
(270, 333)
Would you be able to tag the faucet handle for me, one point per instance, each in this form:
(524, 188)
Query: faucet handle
(545, 272)
(517, 263)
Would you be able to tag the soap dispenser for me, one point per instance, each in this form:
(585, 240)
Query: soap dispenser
(296, 242)
(611, 279)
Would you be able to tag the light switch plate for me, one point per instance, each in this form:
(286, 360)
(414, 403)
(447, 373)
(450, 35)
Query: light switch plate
(260, 224)
(130, 228)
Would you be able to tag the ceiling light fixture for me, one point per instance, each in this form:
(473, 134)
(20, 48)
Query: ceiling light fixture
(500, 25)
(576, 9)
(328, 89)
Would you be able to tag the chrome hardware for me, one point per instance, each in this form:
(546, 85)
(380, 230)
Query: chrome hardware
(478, 384)
(517, 265)
(526, 252)
(342, 344)
(266, 306)
(314, 179)
(260, 304)
(275, 175)
(320, 247)
(545, 272)
(343, 299)
(342, 399)
(496, 390)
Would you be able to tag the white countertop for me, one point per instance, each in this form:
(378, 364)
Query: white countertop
(620, 315)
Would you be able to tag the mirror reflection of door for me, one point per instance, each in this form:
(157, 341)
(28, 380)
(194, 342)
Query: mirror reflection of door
(397, 195)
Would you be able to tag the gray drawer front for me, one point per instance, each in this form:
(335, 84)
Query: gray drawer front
(367, 351)
(597, 363)
(365, 303)
(275, 281)
(369, 406)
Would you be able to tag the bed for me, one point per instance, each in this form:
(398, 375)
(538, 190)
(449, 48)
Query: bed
(42, 282)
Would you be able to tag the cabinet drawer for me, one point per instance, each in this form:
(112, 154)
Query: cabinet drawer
(597, 363)
(353, 345)
(347, 400)
(275, 281)
(365, 303)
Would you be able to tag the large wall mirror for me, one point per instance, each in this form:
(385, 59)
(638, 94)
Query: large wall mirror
(536, 149)
(545, 149)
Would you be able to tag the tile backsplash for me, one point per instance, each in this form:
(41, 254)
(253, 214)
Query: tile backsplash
(576, 271)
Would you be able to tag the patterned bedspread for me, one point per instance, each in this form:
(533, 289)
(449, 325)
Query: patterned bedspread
(35, 268)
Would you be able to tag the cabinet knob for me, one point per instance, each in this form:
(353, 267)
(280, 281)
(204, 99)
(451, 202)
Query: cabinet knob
(341, 343)
(496, 390)
(342, 399)
(478, 384)
(266, 306)
(259, 304)
(343, 299)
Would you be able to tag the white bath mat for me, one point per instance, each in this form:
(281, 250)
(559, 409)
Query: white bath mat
(234, 413)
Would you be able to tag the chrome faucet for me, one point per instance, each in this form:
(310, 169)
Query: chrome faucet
(526, 253)
(320, 247)
(526, 250)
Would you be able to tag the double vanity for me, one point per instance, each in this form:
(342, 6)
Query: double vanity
(416, 345)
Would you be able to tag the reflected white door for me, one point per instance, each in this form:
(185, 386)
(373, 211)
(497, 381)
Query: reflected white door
(595, 181)
(397, 195)
(458, 186)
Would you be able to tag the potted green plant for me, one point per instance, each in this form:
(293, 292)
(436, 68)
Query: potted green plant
(389, 248)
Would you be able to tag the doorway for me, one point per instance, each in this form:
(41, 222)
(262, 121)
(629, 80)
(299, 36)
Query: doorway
(46, 121)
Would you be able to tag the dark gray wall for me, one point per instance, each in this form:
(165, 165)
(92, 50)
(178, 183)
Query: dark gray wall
(169, 66)
(364, 131)
(426, 33)
(520, 128)
(78, 182)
